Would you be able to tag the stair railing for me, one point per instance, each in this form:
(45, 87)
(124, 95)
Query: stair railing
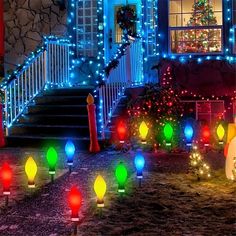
(47, 67)
(129, 72)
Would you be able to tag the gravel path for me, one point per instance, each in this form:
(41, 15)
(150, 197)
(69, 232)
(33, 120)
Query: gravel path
(170, 202)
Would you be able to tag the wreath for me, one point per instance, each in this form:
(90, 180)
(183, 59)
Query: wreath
(126, 18)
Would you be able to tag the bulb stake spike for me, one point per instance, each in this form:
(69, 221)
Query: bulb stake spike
(6, 200)
(75, 230)
(140, 182)
(52, 178)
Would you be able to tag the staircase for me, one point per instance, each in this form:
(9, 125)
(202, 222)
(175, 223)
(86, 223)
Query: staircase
(53, 117)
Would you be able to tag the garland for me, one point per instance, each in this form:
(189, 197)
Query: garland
(115, 61)
(126, 18)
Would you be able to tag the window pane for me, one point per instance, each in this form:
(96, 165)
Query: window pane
(186, 18)
(195, 41)
(187, 6)
(175, 6)
(175, 20)
(217, 5)
(218, 16)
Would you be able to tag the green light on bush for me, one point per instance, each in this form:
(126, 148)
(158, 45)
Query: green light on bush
(121, 177)
(168, 132)
(52, 159)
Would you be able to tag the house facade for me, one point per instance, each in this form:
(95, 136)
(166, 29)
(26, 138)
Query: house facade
(174, 29)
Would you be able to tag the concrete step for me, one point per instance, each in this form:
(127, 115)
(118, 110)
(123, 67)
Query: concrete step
(45, 141)
(69, 91)
(50, 119)
(58, 109)
(50, 130)
(61, 100)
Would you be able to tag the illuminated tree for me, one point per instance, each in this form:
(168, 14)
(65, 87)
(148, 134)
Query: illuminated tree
(200, 40)
(158, 106)
(197, 165)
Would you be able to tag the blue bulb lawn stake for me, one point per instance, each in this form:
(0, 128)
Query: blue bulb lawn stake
(70, 151)
(139, 162)
(188, 132)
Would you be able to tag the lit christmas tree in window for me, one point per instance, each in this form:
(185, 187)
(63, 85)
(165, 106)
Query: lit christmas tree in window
(200, 39)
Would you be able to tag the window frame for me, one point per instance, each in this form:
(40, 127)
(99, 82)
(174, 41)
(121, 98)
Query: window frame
(234, 26)
(195, 28)
(84, 52)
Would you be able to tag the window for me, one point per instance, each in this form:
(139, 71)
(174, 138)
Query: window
(234, 27)
(86, 20)
(195, 26)
(150, 27)
(234, 13)
(118, 30)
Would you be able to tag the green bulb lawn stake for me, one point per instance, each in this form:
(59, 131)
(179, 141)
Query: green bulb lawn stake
(52, 159)
(168, 132)
(121, 177)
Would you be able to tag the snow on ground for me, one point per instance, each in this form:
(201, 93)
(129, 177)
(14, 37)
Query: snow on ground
(170, 202)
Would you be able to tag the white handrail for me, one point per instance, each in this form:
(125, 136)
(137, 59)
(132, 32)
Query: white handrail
(49, 67)
(129, 72)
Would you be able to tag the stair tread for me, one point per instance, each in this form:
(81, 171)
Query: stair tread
(53, 126)
(56, 115)
(62, 96)
(55, 105)
(48, 137)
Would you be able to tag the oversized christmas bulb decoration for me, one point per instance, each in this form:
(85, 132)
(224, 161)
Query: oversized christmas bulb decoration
(100, 188)
(31, 171)
(6, 178)
(220, 133)
(229, 164)
(231, 132)
(206, 135)
(168, 132)
(52, 159)
(75, 201)
(143, 130)
(188, 133)
(121, 177)
(70, 152)
(121, 131)
(139, 162)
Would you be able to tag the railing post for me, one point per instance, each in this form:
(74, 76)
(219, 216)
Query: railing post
(128, 65)
(6, 112)
(45, 65)
(2, 139)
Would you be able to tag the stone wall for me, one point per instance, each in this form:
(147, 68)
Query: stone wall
(26, 22)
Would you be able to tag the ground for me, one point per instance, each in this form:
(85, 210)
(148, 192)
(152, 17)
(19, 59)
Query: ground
(170, 202)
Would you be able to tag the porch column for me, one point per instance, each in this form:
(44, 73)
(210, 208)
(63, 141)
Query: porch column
(1, 40)
(128, 66)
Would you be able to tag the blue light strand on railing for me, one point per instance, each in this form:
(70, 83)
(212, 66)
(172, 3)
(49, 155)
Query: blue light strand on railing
(33, 71)
(33, 56)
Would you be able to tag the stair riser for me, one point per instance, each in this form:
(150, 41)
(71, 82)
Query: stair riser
(40, 120)
(43, 143)
(58, 111)
(50, 131)
(59, 100)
